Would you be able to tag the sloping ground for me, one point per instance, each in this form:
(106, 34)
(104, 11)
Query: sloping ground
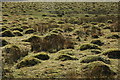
(53, 46)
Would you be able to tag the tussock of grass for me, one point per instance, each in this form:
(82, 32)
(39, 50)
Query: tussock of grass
(112, 53)
(89, 46)
(92, 58)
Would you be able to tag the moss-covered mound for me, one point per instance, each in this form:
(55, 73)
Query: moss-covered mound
(2, 28)
(97, 42)
(27, 62)
(13, 53)
(89, 46)
(98, 69)
(3, 42)
(65, 57)
(113, 36)
(92, 58)
(17, 33)
(42, 56)
(17, 28)
(29, 31)
(67, 51)
(7, 33)
(112, 53)
(96, 51)
(56, 30)
(69, 29)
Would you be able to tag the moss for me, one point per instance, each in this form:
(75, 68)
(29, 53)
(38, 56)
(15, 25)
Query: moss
(65, 57)
(7, 33)
(98, 69)
(3, 29)
(67, 51)
(89, 46)
(96, 51)
(56, 30)
(27, 62)
(97, 42)
(25, 26)
(92, 58)
(113, 36)
(109, 21)
(4, 42)
(112, 53)
(95, 36)
(29, 31)
(17, 33)
(17, 28)
(42, 56)
(69, 29)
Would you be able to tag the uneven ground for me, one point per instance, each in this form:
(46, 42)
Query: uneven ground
(77, 24)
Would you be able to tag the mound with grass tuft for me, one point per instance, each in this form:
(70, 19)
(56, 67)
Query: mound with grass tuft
(17, 33)
(92, 58)
(97, 42)
(112, 53)
(98, 69)
(42, 56)
(89, 46)
(27, 62)
(65, 57)
(7, 33)
(3, 42)
(29, 31)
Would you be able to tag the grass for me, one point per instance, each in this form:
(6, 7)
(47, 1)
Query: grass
(73, 33)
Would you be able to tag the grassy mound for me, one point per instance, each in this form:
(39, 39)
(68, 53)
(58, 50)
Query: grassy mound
(17, 28)
(29, 31)
(112, 53)
(69, 29)
(96, 51)
(13, 53)
(56, 30)
(67, 51)
(27, 62)
(113, 36)
(3, 29)
(97, 42)
(98, 69)
(65, 57)
(89, 46)
(17, 33)
(42, 56)
(4, 42)
(7, 33)
(92, 58)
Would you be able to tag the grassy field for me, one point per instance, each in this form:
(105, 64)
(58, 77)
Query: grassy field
(60, 40)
